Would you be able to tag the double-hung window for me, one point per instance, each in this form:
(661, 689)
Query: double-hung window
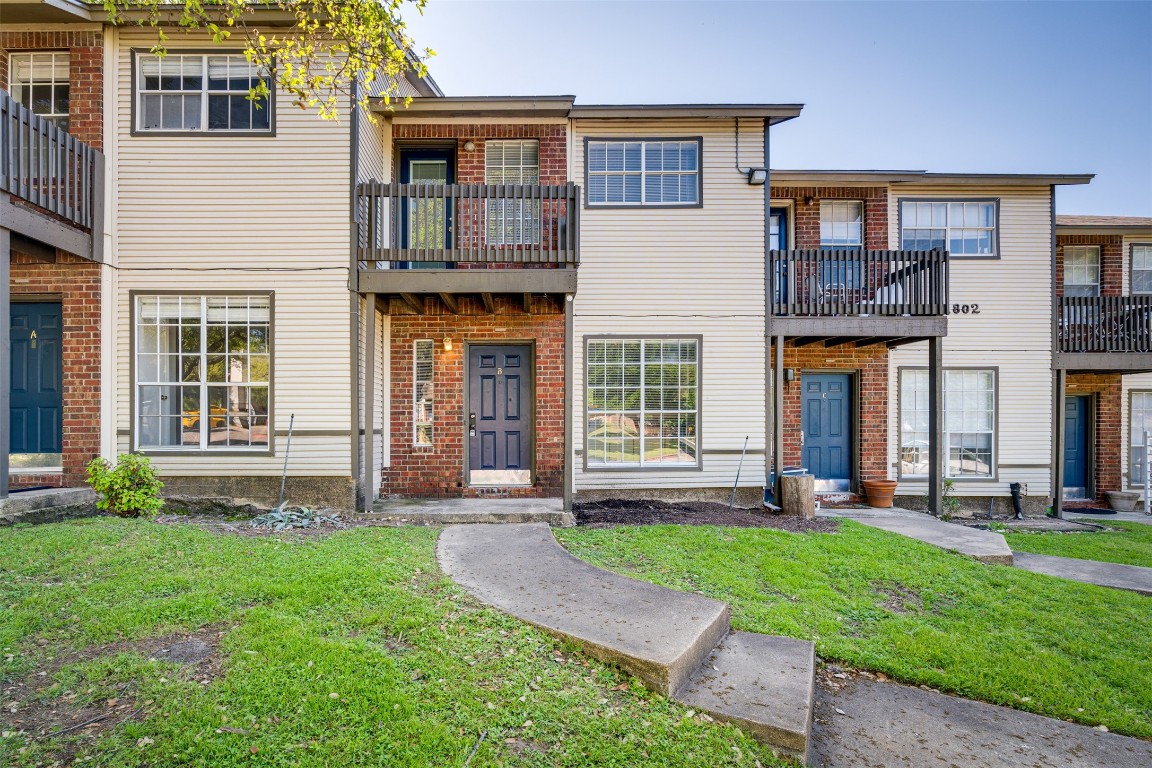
(841, 228)
(200, 93)
(39, 81)
(1142, 268)
(656, 172)
(969, 422)
(1081, 270)
(202, 372)
(1139, 420)
(642, 403)
(961, 227)
(512, 222)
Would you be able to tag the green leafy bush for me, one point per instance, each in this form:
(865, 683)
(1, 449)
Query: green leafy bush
(128, 488)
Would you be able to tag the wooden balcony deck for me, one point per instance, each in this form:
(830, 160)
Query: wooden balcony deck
(1104, 333)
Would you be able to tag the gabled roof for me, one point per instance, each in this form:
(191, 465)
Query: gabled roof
(1136, 225)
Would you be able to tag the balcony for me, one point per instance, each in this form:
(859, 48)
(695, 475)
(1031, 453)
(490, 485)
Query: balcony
(449, 240)
(864, 297)
(53, 185)
(1104, 333)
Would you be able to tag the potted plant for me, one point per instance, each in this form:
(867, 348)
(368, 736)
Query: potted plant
(1123, 501)
(880, 492)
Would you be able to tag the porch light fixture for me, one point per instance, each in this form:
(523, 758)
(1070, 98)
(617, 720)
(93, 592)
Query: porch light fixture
(469, 146)
(757, 176)
(447, 344)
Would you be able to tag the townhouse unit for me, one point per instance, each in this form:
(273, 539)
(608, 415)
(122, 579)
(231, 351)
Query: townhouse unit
(500, 296)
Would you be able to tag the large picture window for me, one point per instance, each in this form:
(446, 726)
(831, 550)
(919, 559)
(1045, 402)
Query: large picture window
(192, 92)
(642, 402)
(961, 227)
(203, 372)
(969, 423)
(665, 172)
(1139, 419)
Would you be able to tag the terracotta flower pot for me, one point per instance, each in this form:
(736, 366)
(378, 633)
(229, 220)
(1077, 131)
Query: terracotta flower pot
(880, 492)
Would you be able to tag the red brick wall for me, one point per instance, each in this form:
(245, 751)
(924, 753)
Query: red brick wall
(807, 234)
(438, 471)
(1111, 261)
(86, 75)
(871, 382)
(470, 165)
(1109, 444)
(76, 282)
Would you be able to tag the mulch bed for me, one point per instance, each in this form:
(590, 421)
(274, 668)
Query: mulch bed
(614, 512)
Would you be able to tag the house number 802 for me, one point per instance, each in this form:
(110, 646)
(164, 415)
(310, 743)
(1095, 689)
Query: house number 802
(965, 309)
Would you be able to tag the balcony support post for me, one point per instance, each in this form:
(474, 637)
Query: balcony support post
(5, 357)
(370, 483)
(1059, 393)
(569, 399)
(778, 419)
(936, 457)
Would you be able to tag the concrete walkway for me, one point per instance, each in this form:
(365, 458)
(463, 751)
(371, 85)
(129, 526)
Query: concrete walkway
(1131, 577)
(1128, 517)
(456, 511)
(678, 643)
(985, 546)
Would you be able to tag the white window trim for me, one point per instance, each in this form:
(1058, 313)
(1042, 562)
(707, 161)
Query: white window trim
(417, 385)
(138, 98)
(993, 468)
(1135, 437)
(1133, 270)
(56, 117)
(1071, 251)
(512, 222)
(994, 229)
(832, 205)
(643, 173)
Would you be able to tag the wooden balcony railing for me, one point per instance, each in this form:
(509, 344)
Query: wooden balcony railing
(838, 282)
(43, 165)
(437, 224)
(1104, 323)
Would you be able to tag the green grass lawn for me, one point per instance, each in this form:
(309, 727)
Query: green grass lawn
(347, 650)
(1123, 542)
(885, 603)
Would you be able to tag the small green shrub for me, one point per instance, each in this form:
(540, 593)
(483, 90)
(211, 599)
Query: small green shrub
(128, 488)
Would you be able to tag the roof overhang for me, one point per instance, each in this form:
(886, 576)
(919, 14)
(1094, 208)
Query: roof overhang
(1140, 226)
(481, 106)
(926, 178)
(563, 107)
(49, 11)
(773, 113)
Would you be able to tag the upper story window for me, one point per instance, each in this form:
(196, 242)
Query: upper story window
(39, 81)
(654, 172)
(841, 224)
(199, 93)
(1142, 268)
(961, 227)
(512, 222)
(1081, 270)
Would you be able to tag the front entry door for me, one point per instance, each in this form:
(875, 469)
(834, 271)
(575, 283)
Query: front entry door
(826, 413)
(37, 408)
(500, 398)
(1077, 446)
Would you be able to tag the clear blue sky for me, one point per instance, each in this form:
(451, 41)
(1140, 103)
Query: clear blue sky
(1011, 87)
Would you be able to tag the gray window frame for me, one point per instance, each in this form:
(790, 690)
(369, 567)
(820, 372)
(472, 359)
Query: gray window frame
(1132, 268)
(994, 256)
(1130, 481)
(995, 476)
(270, 450)
(699, 465)
(644, 139)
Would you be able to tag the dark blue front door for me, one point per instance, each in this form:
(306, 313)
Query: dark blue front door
(499, 419)
(427, 221)
(37, 383)
(826, 413)
(1077, 446)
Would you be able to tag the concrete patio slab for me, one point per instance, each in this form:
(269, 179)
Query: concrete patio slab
(762, 683)
(897, 726)
(1129, 517)
(985, 546)
(660, 635)
(1130, 577)
(465, 511)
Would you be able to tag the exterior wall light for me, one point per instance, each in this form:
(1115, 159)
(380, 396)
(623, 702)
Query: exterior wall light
(447, 344)
(469, 146)
(757, 176)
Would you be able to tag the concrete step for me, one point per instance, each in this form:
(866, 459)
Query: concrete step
(467, 511)
(47, 505)
(660, 635)
(761, 683)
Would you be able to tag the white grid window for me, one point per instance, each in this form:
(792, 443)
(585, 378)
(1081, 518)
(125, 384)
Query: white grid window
(203, 369)
(643, 172)
(39, 81)
(422, 391)
(1081, 270)
(512, 222)
(841, 224)
(1139, 419)
(969, 422)
(962, 228)
(200, 92)
(1142, 269)
(642, 402)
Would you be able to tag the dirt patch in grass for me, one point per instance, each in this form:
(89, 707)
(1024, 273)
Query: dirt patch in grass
(38, 707)
(900, 599)
(613, 512)
(232, 527)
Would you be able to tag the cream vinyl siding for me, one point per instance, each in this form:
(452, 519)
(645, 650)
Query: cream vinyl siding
(204, 213)
(649, 272)
(1012, 334)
